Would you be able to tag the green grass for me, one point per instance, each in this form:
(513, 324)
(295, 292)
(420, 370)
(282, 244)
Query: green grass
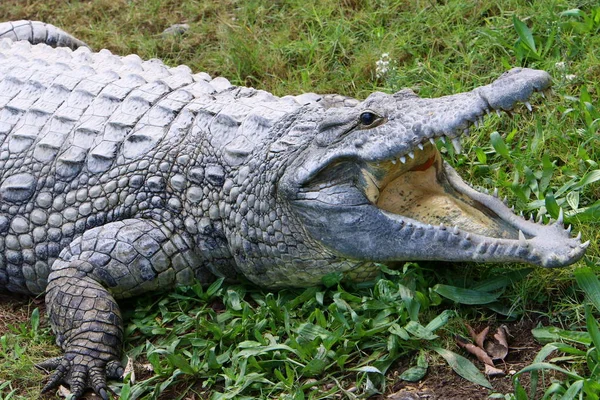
(343, 341)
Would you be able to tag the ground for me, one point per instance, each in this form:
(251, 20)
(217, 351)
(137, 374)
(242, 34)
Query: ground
(439, 383)
(542, 160)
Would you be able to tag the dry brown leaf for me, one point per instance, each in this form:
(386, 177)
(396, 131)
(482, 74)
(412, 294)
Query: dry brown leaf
(476, 351)
(501, 335)
(493, 371)
(472, 332)
(63, 391)
(498, 349)
(403, 394)
(478, 338)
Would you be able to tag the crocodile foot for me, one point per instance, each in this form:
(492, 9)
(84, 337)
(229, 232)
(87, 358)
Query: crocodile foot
(80, 372)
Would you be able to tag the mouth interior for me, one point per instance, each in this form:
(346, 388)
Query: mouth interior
(420, 189)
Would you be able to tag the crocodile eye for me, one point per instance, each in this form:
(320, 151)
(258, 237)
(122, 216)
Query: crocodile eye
(367, 119)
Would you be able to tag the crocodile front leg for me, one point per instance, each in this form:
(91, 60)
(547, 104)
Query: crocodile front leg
(117, 260)
(88, 326)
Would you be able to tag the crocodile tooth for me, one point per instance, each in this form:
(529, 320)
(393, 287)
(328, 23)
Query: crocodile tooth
(539, 220)
(488, 111)
(476, 123)
(573, 252)
(528, 105)
(568, 229)
(578, 237)
(512, 208)
(584, 245)
(495, 194)
(456, 144)
(561, 216)
(521, 214)
(442, 226)
(499, 113)
(411, 155)
(546, 93)
(420, 146)
(467, 236)
(531, 219)
(466, 132)
(522, 236)
(402, 159)
(455, 230)
(443, 139)
(505, 200)
(432, 140)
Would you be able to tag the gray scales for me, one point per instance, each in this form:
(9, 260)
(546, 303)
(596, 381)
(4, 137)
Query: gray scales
(121, 176)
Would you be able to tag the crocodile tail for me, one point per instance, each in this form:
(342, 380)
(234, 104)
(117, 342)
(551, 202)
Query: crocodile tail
(39, 32)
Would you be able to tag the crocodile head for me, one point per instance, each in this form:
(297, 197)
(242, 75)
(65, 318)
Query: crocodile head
(372, 185)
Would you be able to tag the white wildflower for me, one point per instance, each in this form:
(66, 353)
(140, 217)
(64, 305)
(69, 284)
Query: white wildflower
(561, 66)
(570, 77)
(382, 66)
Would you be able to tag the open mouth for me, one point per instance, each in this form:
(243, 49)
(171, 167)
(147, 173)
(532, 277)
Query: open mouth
(418, 187)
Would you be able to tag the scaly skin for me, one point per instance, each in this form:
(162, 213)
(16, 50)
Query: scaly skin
(119, 177)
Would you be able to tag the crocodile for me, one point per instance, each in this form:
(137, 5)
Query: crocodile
(120, 176)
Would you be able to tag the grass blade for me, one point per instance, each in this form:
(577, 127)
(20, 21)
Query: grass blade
(499, 145)
(573, 390)
(465, 296)
(543, 366)
(541, 356)
(463, 367)
(554, 334)
(592, 327)
(524, 34)
(551, 205)
(440, 320)
(588, 178)
(587, 214)
(589, 283)
(500, 282)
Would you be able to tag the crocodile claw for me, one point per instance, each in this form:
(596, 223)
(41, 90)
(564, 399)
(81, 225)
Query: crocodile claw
(80, 372)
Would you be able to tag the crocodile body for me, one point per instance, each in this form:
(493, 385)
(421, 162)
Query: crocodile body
(120, 176)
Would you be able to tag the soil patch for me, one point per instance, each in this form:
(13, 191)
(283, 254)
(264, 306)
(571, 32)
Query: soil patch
(16, 309)
(444, 384)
